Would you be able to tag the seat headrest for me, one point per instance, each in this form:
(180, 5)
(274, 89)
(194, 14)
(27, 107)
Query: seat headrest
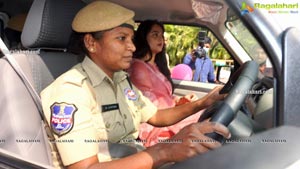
(48, 23)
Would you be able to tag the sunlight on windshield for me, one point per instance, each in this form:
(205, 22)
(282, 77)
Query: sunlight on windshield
(243, 56)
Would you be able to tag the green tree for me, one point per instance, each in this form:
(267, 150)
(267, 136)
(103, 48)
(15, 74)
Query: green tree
(182, 39)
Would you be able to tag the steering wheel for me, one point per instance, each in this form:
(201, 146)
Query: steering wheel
(262, 86)
(237, 87)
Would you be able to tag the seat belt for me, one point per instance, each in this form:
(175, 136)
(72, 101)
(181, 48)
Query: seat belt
(12, 61)
(35, 96)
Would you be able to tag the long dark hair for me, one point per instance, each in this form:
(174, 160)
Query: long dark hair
(143, 48)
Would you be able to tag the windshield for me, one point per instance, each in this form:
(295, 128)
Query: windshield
(249, 43)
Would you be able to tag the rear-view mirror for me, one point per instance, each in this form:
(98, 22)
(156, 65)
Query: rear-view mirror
(223, 73)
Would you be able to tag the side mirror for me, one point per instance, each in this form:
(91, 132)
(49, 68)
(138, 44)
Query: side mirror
(223, 73)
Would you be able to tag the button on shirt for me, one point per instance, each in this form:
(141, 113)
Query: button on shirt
(87, 107)
(204, 70)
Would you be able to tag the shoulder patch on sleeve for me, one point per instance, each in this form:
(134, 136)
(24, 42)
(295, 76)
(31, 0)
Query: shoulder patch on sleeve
(62, 118)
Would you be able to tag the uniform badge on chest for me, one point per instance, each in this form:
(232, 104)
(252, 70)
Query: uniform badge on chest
(130, 94)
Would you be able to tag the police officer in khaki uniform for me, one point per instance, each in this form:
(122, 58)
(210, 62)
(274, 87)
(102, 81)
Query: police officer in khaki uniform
(94, 103)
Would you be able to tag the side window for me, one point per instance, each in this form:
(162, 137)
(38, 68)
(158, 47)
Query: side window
(198, 48)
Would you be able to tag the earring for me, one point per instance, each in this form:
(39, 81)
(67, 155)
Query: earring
(91, 49)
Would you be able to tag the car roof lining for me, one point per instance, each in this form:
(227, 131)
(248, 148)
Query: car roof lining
(167, 10)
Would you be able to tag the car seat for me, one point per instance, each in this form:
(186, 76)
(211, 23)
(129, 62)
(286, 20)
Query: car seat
(48, 28)
(46, 34)
(3, 23)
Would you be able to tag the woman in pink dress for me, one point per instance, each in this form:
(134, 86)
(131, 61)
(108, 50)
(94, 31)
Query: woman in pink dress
(149, 72)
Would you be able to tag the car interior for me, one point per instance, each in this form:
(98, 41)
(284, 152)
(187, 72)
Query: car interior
(45, 38)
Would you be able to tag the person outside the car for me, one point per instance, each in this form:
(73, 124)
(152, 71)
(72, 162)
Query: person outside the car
(200, 62)
(94, 103)
(260, 57)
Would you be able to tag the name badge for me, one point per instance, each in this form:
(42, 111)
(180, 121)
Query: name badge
(109, 107)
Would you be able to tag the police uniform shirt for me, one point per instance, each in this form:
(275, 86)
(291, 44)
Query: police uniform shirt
(86, 109)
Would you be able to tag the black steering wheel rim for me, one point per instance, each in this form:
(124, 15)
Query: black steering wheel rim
(238, 87)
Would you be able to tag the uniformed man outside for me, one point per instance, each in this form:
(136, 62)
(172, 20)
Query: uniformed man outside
(94, 104)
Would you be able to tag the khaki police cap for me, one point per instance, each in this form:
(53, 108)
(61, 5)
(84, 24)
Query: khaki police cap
(101, 15)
